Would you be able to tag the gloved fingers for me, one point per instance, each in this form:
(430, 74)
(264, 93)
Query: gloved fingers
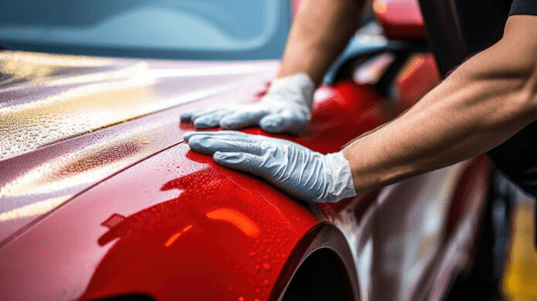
(276, 123)
(261, 142)
(241, 161)
(207, 144)
(236, 136)
(186, 116)
(191, 115)
(195, 114)
(243, 118)
(255, 165)
(210, 120)
(283, 122)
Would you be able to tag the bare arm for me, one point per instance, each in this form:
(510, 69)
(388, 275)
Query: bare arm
(319, 34)
(479, 106)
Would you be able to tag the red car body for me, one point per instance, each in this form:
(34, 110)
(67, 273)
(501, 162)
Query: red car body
(102, 198)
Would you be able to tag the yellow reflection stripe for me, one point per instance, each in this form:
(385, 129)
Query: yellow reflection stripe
(74, 95)
(138, 68)
(239, 220)
(80, 111)
(72, 113)
(55, 59)
(89, 164)
(34, 209)
(176, 235)
(520, 278)
(45, 179)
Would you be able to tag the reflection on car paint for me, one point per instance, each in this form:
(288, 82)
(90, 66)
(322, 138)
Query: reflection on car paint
(518, 281)
(141, 207)
(169, 233)
(176, 235)
(58, 176)
(416, 78)
(357, 222)
(371, 71)
(29, 77)
(19, 67)
(36, 208)
(138, 231)
(57, 145)
(401, 20)
(113, 220)
(141, 223)
(72, 105)
(237, 219)
(141, 231)
(410, 245)
(91, 164)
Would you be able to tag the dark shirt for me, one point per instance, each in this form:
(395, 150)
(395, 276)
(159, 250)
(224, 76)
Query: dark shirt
(460, 28)
(524, 7)
(517, 157)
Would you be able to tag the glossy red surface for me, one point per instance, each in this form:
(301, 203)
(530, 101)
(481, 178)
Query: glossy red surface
(418, 77)
(84, 112)
(413, 217)
(401, 19)
(174, 224)
(152, 217)
(177, 214)
(470, 190)
(348, 110)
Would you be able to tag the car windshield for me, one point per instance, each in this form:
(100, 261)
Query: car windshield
(180, 29)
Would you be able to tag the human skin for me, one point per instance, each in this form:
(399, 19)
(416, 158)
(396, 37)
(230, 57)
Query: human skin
(484, 102)
(320, 32)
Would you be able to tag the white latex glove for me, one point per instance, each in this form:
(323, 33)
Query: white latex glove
(286, 108)
(301, 172)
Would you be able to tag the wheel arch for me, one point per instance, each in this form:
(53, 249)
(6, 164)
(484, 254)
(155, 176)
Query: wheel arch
(323, 263)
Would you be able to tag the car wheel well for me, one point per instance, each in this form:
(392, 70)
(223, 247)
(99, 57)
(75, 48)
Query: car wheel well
(322, 276)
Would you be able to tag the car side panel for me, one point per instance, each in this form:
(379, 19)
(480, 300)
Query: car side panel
(177, 224)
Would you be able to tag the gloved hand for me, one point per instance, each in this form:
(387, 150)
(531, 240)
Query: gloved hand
(301, 172)
(286, 108)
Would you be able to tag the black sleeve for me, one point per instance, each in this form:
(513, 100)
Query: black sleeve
(523, 7)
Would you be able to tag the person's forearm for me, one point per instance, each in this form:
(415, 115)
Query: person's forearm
(483, 103)
(320, 32)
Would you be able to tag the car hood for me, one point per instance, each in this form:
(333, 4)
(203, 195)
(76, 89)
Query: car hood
(100, 196)
(68, 122)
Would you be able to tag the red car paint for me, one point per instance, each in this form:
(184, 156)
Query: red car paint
(418, 78)
(212, 213)
(177, 216)
(401, 19)
(203, 221)
(51, 172)
(154, 218)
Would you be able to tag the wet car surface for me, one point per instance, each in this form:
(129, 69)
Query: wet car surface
(101, 198)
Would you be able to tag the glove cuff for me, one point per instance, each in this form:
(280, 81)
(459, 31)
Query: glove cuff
(339, 183)
(297, 87)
